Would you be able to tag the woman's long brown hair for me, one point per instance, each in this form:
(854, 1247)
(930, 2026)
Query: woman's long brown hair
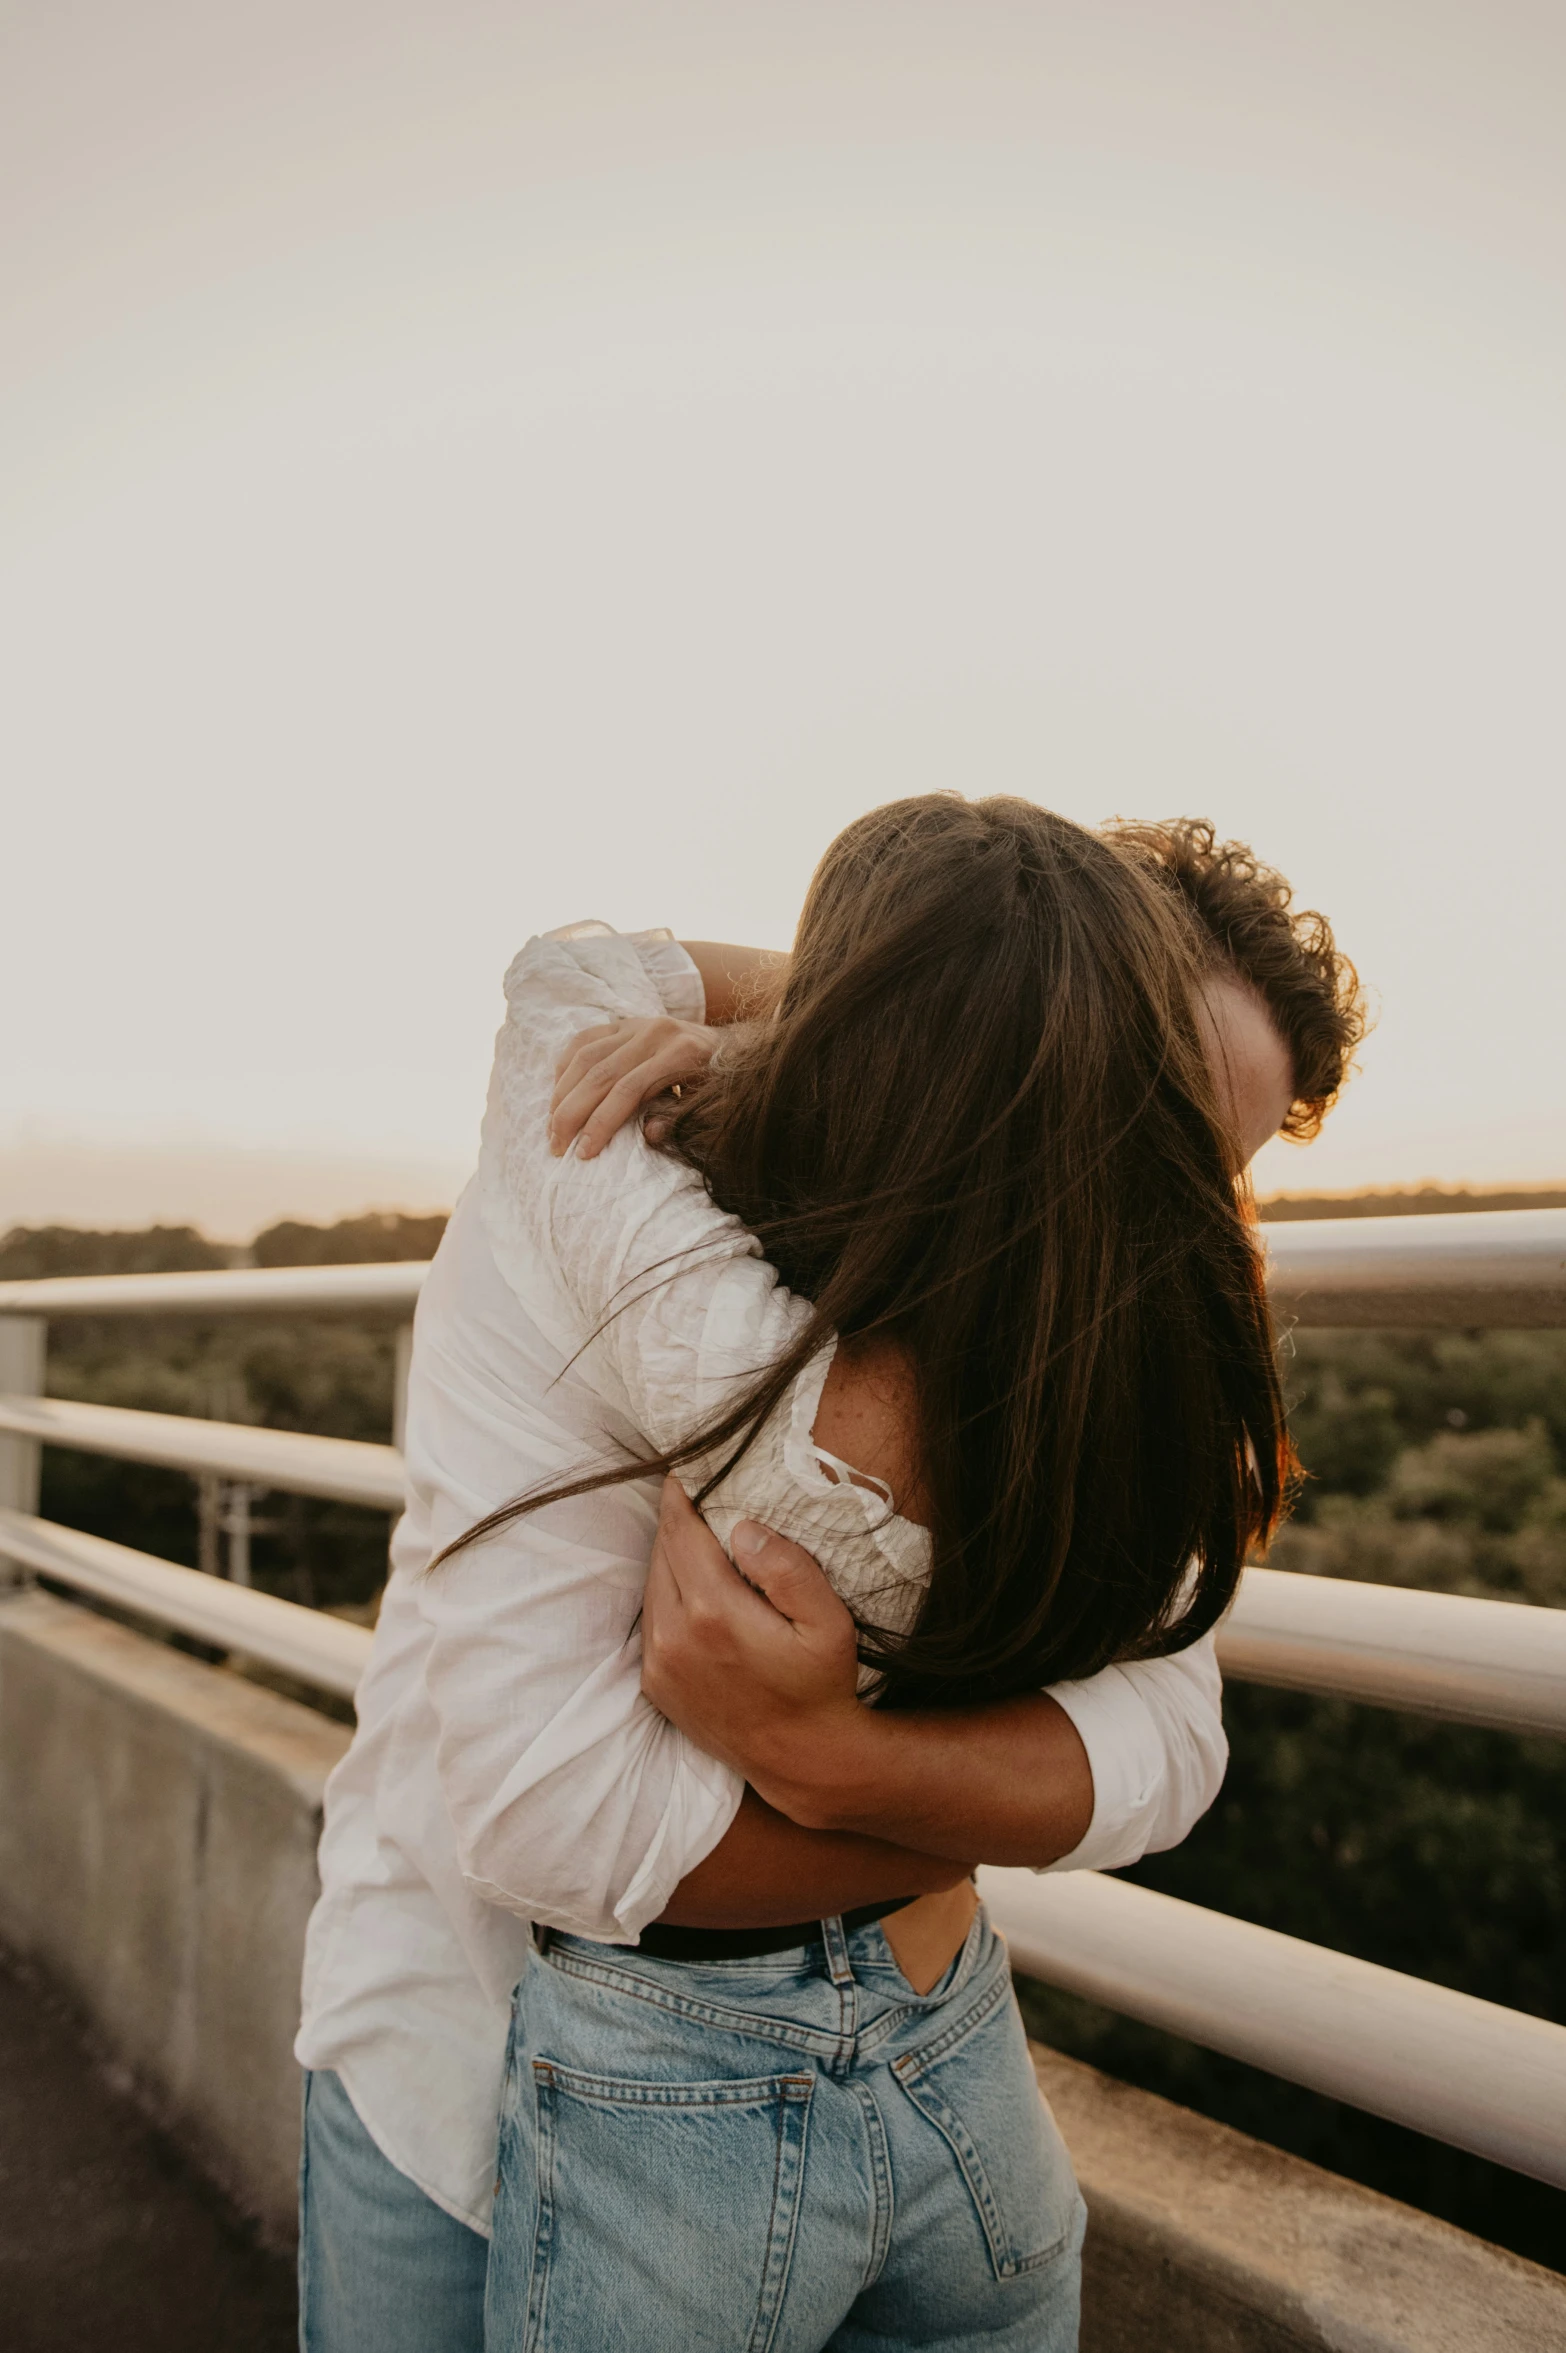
(979, 1122)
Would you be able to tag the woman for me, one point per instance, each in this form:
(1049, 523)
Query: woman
(1034, 1254)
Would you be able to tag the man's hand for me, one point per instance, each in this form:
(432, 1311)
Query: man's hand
(759, 1668)
(765, 1679)
(606, 1075)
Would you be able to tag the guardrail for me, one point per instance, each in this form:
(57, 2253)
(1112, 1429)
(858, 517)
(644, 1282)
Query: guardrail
(345, 1469)
(1454, 1655)
(1443, 2063)
(237, 1290)
(315, 1648)
(1483, 2078)
(1501, 1664)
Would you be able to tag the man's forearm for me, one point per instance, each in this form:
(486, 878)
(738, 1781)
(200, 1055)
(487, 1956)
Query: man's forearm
(1009, 1782)
(766, 1871)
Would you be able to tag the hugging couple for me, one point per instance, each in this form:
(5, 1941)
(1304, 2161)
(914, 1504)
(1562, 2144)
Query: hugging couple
(840, 1410)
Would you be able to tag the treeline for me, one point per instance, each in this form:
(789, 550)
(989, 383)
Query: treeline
(1432, 1458)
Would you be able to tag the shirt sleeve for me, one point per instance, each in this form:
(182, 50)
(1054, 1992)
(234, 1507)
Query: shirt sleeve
(572, 1800)
(664, 1299)
(567, 1797)
(1155, 1741)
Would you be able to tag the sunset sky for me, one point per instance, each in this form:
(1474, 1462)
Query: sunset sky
(469, 467)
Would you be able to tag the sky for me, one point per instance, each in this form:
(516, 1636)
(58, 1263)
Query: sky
(465, 468)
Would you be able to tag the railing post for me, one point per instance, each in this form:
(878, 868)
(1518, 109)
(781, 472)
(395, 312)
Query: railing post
(240, 1524)
(403, 1360)
(209, 1518)
(23, 1339)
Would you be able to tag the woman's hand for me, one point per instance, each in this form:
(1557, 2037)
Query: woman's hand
(759, 1669)
(607, 1074)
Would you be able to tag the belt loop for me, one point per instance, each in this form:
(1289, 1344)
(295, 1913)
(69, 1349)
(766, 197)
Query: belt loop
(835, 1938)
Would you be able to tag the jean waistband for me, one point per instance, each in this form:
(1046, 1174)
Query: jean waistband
(668, 1943)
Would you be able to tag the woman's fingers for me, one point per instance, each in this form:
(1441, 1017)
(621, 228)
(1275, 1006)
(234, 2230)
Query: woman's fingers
(622, 1068)
(609, 1052)
(608, 1074)
(625, 1096)
(586, 1049)
(597, 1056)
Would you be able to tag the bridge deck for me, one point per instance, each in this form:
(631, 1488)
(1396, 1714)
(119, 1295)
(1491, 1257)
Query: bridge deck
(106, 2235)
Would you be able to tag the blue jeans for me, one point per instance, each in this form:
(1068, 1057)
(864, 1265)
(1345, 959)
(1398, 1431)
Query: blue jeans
(777, 2155)
(382, 2268)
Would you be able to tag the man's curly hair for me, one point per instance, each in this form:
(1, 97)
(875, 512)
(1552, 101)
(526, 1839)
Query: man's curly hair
(1287, 956)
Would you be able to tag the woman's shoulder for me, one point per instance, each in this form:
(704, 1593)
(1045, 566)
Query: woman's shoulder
(868, 1419)
(558, 985)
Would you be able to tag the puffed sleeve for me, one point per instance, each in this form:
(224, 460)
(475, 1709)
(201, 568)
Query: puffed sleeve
(665, 1302)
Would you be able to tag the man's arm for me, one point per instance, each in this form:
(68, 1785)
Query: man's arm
(737, 980)
(767, 1870)
(760, 1670)
(1008, 1783)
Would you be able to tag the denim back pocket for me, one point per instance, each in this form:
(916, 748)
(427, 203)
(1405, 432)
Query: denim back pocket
(975, 2084)
(662, 2213)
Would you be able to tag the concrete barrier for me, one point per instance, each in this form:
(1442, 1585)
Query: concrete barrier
(1201, 2240)
(158, 1820)
(158, 1824)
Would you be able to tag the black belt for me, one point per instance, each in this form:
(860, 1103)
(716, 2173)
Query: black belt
(667, 1943)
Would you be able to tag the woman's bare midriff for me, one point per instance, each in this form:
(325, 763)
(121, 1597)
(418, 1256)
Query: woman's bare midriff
(926, 1935)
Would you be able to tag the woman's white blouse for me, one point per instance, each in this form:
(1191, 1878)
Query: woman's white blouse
(506, 1767)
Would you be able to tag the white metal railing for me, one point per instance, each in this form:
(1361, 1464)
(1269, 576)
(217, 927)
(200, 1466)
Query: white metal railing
(346, 1469)
(227, 1290)
(1438, 1654)
(1469, 2072)
(1483, 2078)
(1473, 1661)
(328, 1653)
(1465, 2071)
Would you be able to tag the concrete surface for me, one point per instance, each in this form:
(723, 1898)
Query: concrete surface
(108, 2237)
(1201, 2240)
(158, 1824)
